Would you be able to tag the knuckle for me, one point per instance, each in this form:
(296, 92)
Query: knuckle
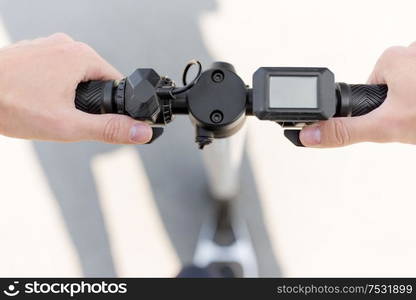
(112, 129)
(82, 47)
(341, 134)
(76, 48)
(60, 36)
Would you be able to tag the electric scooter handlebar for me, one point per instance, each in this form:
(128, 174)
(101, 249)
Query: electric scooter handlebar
(217, 100)
(366, 97)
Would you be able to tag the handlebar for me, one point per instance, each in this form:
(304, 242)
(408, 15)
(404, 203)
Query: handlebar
(217, 100)
(366, 98)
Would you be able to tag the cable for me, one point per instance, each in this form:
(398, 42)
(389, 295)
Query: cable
(187, 86)
(188, 66)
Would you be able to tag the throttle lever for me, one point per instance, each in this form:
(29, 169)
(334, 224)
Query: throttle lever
(293, 136)
(157, 132)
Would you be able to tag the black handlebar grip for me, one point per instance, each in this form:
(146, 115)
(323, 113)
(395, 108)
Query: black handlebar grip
(366, 97)
(94, 97)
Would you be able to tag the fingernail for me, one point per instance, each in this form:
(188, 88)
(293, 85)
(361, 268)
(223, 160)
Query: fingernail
(310, 136)
(140, 133)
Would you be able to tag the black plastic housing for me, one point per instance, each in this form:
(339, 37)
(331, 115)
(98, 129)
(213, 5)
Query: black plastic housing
(141, 101)
(326, 98)
(217, 101)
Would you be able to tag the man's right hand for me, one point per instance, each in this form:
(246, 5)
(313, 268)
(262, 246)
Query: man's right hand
(393, 121)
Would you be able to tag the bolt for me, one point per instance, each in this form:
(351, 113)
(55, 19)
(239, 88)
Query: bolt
(216, 116)
(218, 76)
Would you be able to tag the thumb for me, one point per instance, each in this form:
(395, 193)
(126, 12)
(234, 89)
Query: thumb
(338, 132)
(113, 129)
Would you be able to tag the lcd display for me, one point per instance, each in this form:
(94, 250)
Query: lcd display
(293, 92)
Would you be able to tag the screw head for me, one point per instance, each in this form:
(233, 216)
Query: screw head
(216, 116)
(217, 76)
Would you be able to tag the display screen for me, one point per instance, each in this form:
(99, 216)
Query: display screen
(293, 92)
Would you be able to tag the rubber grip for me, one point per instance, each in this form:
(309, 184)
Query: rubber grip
(89, 96)
(365, 97)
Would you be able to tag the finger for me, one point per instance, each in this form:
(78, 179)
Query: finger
(375, 78)
(97, 68)
(60, 37)
(387, 61)
(109, 128)
(338, 132)
(100, 69)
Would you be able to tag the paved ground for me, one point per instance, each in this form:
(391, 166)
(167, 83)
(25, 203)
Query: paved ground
(99, 210)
